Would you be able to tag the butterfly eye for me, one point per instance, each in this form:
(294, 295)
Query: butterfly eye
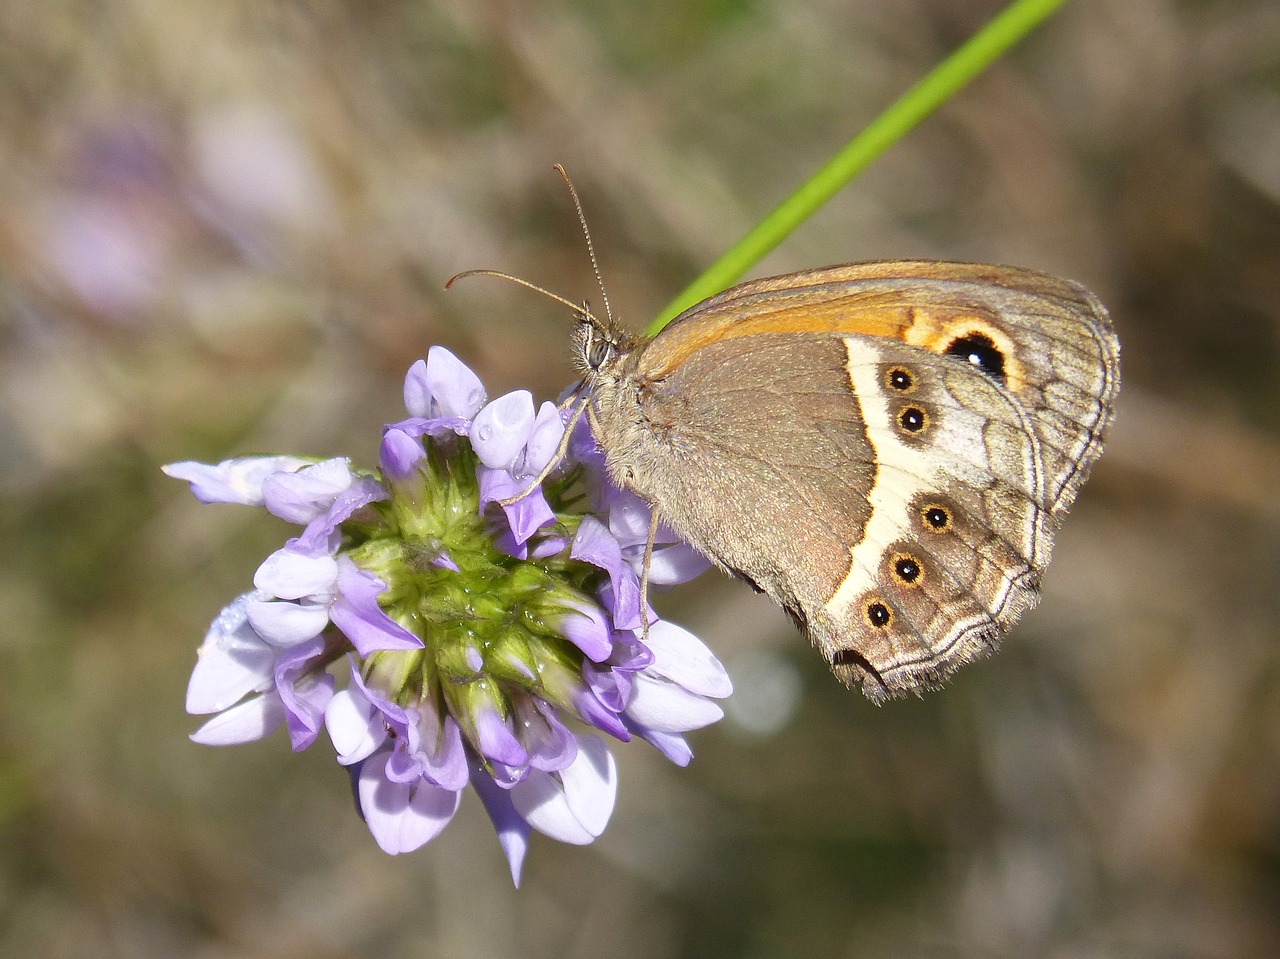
(981, 352)
(596, 347)
(598, 353)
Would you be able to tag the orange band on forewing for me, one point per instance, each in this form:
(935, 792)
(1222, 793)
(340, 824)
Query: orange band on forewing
(926, 304)
(852, 314)
(888, 315)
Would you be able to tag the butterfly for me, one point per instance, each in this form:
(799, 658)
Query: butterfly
(885, 449)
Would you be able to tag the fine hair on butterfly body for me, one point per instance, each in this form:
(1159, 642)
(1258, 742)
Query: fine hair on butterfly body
(885, 449)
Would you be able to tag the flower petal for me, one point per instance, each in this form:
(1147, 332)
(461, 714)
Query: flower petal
(496, 484)
(305, 693)
(234, 661)
(591, 784)
(629, 517)
(232, 481)
(671, 745)
(445, 758)
(550, 743)
(573, 805)
(456, 390)
(668, 708)
(584, 625)
(544, 439)
(495, 741)
(501, 430)
(549, 546)
(317, 539)
(611, 686)
(302, 496)
(355, 726)
(250, 721)
(356, 612)
(402, 816)
(282, 623)
(582, 444)
(289, 574)
(400, 454)
(528, 514)
(416, 426)
(683, 658)
(417, 390)
(512, 830)
(677, 563)
(593, 543)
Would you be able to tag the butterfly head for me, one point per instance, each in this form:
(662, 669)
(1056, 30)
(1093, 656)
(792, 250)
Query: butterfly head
(598, 344)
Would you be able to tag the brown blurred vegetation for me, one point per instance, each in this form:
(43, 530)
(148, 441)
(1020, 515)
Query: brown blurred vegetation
(225, 229)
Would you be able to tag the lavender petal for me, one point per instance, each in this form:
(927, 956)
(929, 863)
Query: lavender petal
(544, 439)
(683, 658)
(302, 496)
(675, 564)
(594, 544)
(283, 623)
(672, 745)
(355, 726)
(290, 574)
(356, 612)
(234, 661)
(584, 625)
(251, 720)
(317, 538)
(575, 804)
(512, 830)
(501, 430)
(235, 480)
(401, 816)
(454, 388)
(400, 455)
(668, 708)
(495, 741)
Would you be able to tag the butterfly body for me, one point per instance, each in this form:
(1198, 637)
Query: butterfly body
(885, 449)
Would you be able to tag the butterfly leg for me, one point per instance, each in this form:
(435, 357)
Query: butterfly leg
(580, 404)
(644, 574)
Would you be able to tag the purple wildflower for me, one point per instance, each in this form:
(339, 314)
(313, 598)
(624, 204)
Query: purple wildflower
(489, 628)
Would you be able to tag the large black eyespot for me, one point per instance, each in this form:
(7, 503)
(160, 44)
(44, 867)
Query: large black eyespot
(878, 614)
(980, 351)
(936, 518)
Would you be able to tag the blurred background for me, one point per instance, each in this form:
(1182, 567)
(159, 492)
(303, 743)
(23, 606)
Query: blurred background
(225, 229)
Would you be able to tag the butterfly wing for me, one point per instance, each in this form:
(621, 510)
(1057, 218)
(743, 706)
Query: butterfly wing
(884, 449)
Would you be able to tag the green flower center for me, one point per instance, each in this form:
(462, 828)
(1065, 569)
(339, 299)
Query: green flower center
(490, 627)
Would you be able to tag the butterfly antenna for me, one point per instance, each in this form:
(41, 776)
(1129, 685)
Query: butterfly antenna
(579, 308)
(591, 248)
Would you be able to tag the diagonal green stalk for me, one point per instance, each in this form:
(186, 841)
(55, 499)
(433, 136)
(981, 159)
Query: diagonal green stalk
(934, 89)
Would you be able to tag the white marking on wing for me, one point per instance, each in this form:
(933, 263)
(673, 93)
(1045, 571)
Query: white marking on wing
(901, 473)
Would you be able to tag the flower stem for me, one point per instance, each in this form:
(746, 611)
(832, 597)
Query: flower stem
(934, 89)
